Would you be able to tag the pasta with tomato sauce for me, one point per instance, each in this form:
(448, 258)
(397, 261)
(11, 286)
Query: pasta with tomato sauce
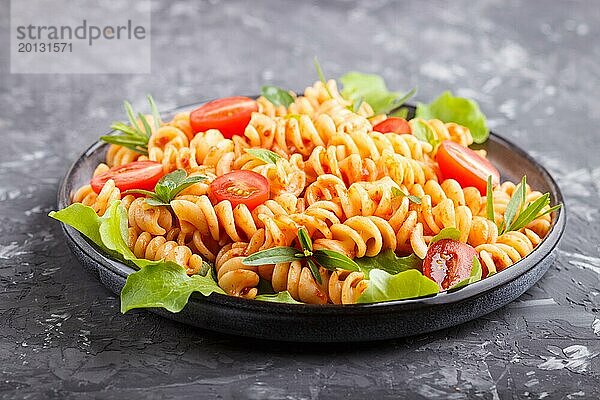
(248, 175)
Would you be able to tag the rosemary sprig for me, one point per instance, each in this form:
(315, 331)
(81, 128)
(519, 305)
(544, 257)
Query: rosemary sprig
(131, 136)
(328, 259)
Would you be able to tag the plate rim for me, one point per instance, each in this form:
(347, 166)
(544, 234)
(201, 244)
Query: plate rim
(472, 291)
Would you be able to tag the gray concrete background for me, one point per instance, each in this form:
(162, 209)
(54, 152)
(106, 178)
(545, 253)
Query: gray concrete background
(534, 67)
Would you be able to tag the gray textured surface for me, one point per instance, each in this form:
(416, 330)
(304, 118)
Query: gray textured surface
(534, 66)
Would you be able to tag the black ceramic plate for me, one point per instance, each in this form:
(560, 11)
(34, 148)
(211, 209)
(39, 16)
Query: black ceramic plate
(334, 323)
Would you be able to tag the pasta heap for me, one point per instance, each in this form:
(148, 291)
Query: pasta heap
(335, 176)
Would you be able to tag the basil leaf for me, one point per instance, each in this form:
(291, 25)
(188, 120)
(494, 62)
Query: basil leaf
(156, 203)
(314, 269)
(272, 256)
(422, 131)
(446, 233)
(397, 192)
(462, 111)
(333, 260)
(476, 272)
(189, 181)
(489, 200)
(164, 284)
(404, 285)
(281, 297)
(389, 262)
(155, 113)
(265, 155)
(373, 90)
(277, 95)
(172, 179)
(514, 204)
(304, 240)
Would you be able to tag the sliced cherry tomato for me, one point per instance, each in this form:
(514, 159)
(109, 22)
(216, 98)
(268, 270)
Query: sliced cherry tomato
(448, 262)
(229, 115)
(466, 166)
(393, 124)
(135, 175)
(240, 187)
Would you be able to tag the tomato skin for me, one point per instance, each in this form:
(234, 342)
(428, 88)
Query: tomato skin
(254, 186)
(393, 124)
(448, 262)
(230, 115)
(135, 175)
(465, 166)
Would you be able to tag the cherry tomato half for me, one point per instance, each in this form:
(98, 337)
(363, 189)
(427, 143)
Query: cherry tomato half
(240, 187)
(393, 124)
(229, 115)
(448, 262)
(466, 166)
(135, 175)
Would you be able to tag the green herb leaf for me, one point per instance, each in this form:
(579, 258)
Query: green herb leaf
(530, 213)
(277, 95)
(122, 140)
(272, 256)
(356, 104)
(169, 186)
(446, 233)
(514, 204)
(314, 269)
(281, 297)
(476, 272)
(422, 131)
(164, 284)
(265, 155)
(462, 111)
(489, 200)
(404, 285)
(402, 112)
(333, 260)
(397, 192)
(389, 262)
(156, 203)
(373, 90)
(322, 76)
(305, 242)
(155, 113)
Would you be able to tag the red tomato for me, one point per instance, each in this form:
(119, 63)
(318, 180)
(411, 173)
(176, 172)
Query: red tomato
(448, 262)
(240, 187)
(393, 124)
(135, 175)
(229, 115)
(466, 166)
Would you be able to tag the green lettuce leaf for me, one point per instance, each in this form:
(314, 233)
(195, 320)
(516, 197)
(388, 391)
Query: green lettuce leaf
(404, 285)
(462, 111)
(157, 283)
(82, 218)
(281, 297)
(164, 284)
(389, 262)
(372, 89)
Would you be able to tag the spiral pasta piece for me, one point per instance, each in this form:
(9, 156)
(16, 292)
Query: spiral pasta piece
(299, 282)
(143, 217)
(157, 248)
(233, 276)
